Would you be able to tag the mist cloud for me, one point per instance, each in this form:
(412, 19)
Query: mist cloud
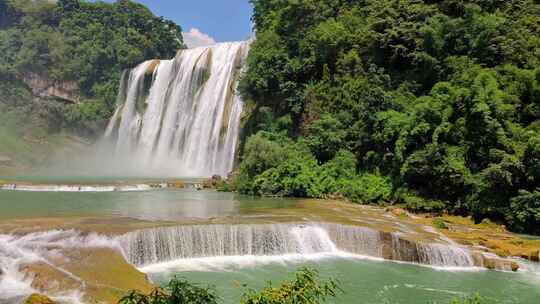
(195, 38)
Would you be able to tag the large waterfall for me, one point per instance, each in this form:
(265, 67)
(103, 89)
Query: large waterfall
(181, 117)
(152, 246)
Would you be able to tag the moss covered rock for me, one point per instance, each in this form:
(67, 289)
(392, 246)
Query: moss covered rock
(38, 299)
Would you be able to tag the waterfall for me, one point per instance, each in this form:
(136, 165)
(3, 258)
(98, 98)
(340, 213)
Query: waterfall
(181, 117)
(157, 245)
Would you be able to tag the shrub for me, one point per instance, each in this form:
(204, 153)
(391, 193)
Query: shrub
(335, 174)
(439, 223)
(297, 176)
(476, 299)
(525, 212)
(177, 291)
(306, 288)
(368, 188)
(260, 154)
(416, 203)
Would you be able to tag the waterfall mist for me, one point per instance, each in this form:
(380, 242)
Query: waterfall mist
(181, 117)
(174, 118)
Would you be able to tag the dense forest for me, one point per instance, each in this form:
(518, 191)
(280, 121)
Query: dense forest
(83, 44)
(434, 105)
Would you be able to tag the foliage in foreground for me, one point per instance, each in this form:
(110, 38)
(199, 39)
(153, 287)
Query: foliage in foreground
(437, 100)
(177, 291)
(306, 288)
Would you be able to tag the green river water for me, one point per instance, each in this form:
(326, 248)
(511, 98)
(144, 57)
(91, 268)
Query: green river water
(362, 280)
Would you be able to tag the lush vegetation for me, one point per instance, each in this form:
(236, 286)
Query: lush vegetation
(89, 43)
(431, 104)
(306, 288)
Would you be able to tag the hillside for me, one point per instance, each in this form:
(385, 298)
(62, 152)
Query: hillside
(434, 105)
(60, 68)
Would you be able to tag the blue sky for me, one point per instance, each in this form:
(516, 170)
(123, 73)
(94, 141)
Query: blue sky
(206, 21)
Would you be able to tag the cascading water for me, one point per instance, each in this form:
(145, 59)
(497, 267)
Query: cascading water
(152, 246)
(18, 251)
(181, 117)
(207, 247)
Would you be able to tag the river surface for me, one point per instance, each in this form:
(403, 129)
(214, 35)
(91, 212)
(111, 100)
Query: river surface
(363, 279)
(169, 204)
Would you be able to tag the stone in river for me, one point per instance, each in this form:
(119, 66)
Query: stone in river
(38, 299)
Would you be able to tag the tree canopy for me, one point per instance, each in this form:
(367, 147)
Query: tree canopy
(440, 100)
(87, 42)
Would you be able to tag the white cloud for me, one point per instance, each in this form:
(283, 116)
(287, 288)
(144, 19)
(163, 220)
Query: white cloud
(195, 38)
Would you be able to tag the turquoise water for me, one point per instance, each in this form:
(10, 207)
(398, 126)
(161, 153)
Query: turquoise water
(376, 282)
(168, 204)
(363, 281)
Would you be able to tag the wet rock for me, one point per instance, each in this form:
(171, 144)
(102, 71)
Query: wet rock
(396, 211)
(176, 184)
(493, 261)
(5, 160)
(152, 67)
(535, 256)
(212, 182)
(38, 299)
(46, 278)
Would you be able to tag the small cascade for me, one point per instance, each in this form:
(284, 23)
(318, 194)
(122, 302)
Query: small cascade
(214, 246)
(158, 245)
(19, 251)
(165, 244)
(81, 188)
(181, 117)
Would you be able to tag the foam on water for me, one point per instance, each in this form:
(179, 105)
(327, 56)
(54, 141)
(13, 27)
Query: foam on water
(193, 243)
(222, 248)
(78, 188)
(17, 251)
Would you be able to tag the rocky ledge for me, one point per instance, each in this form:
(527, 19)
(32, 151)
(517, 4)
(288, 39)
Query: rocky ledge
(45, 87)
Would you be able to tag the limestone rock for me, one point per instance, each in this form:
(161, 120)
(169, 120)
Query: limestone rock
(493, 261)
(176, 184)
(48, 88)
(5, 160)
(212, 182)
(46, 278)
(38, 299)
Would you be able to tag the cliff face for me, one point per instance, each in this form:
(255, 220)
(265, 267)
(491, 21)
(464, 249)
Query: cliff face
(45, 87)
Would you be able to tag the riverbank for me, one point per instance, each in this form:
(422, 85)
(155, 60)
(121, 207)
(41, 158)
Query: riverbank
(141, 229)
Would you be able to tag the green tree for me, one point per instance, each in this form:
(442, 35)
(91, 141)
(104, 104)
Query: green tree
(306, 288)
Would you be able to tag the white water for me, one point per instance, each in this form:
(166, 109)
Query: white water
(79, 188)
(218, 247)
(162, 245)
(181, 117)
(18, 251)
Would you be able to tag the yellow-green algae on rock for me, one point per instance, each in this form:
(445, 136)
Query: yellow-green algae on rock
(490, 236)
(102, 274)
(38, 299)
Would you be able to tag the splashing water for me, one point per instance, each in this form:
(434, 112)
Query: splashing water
(153, 246)
(17, 251)
(181, 117)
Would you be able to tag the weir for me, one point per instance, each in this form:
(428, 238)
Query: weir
(214, 247)
(158, 245)
(181, 117)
